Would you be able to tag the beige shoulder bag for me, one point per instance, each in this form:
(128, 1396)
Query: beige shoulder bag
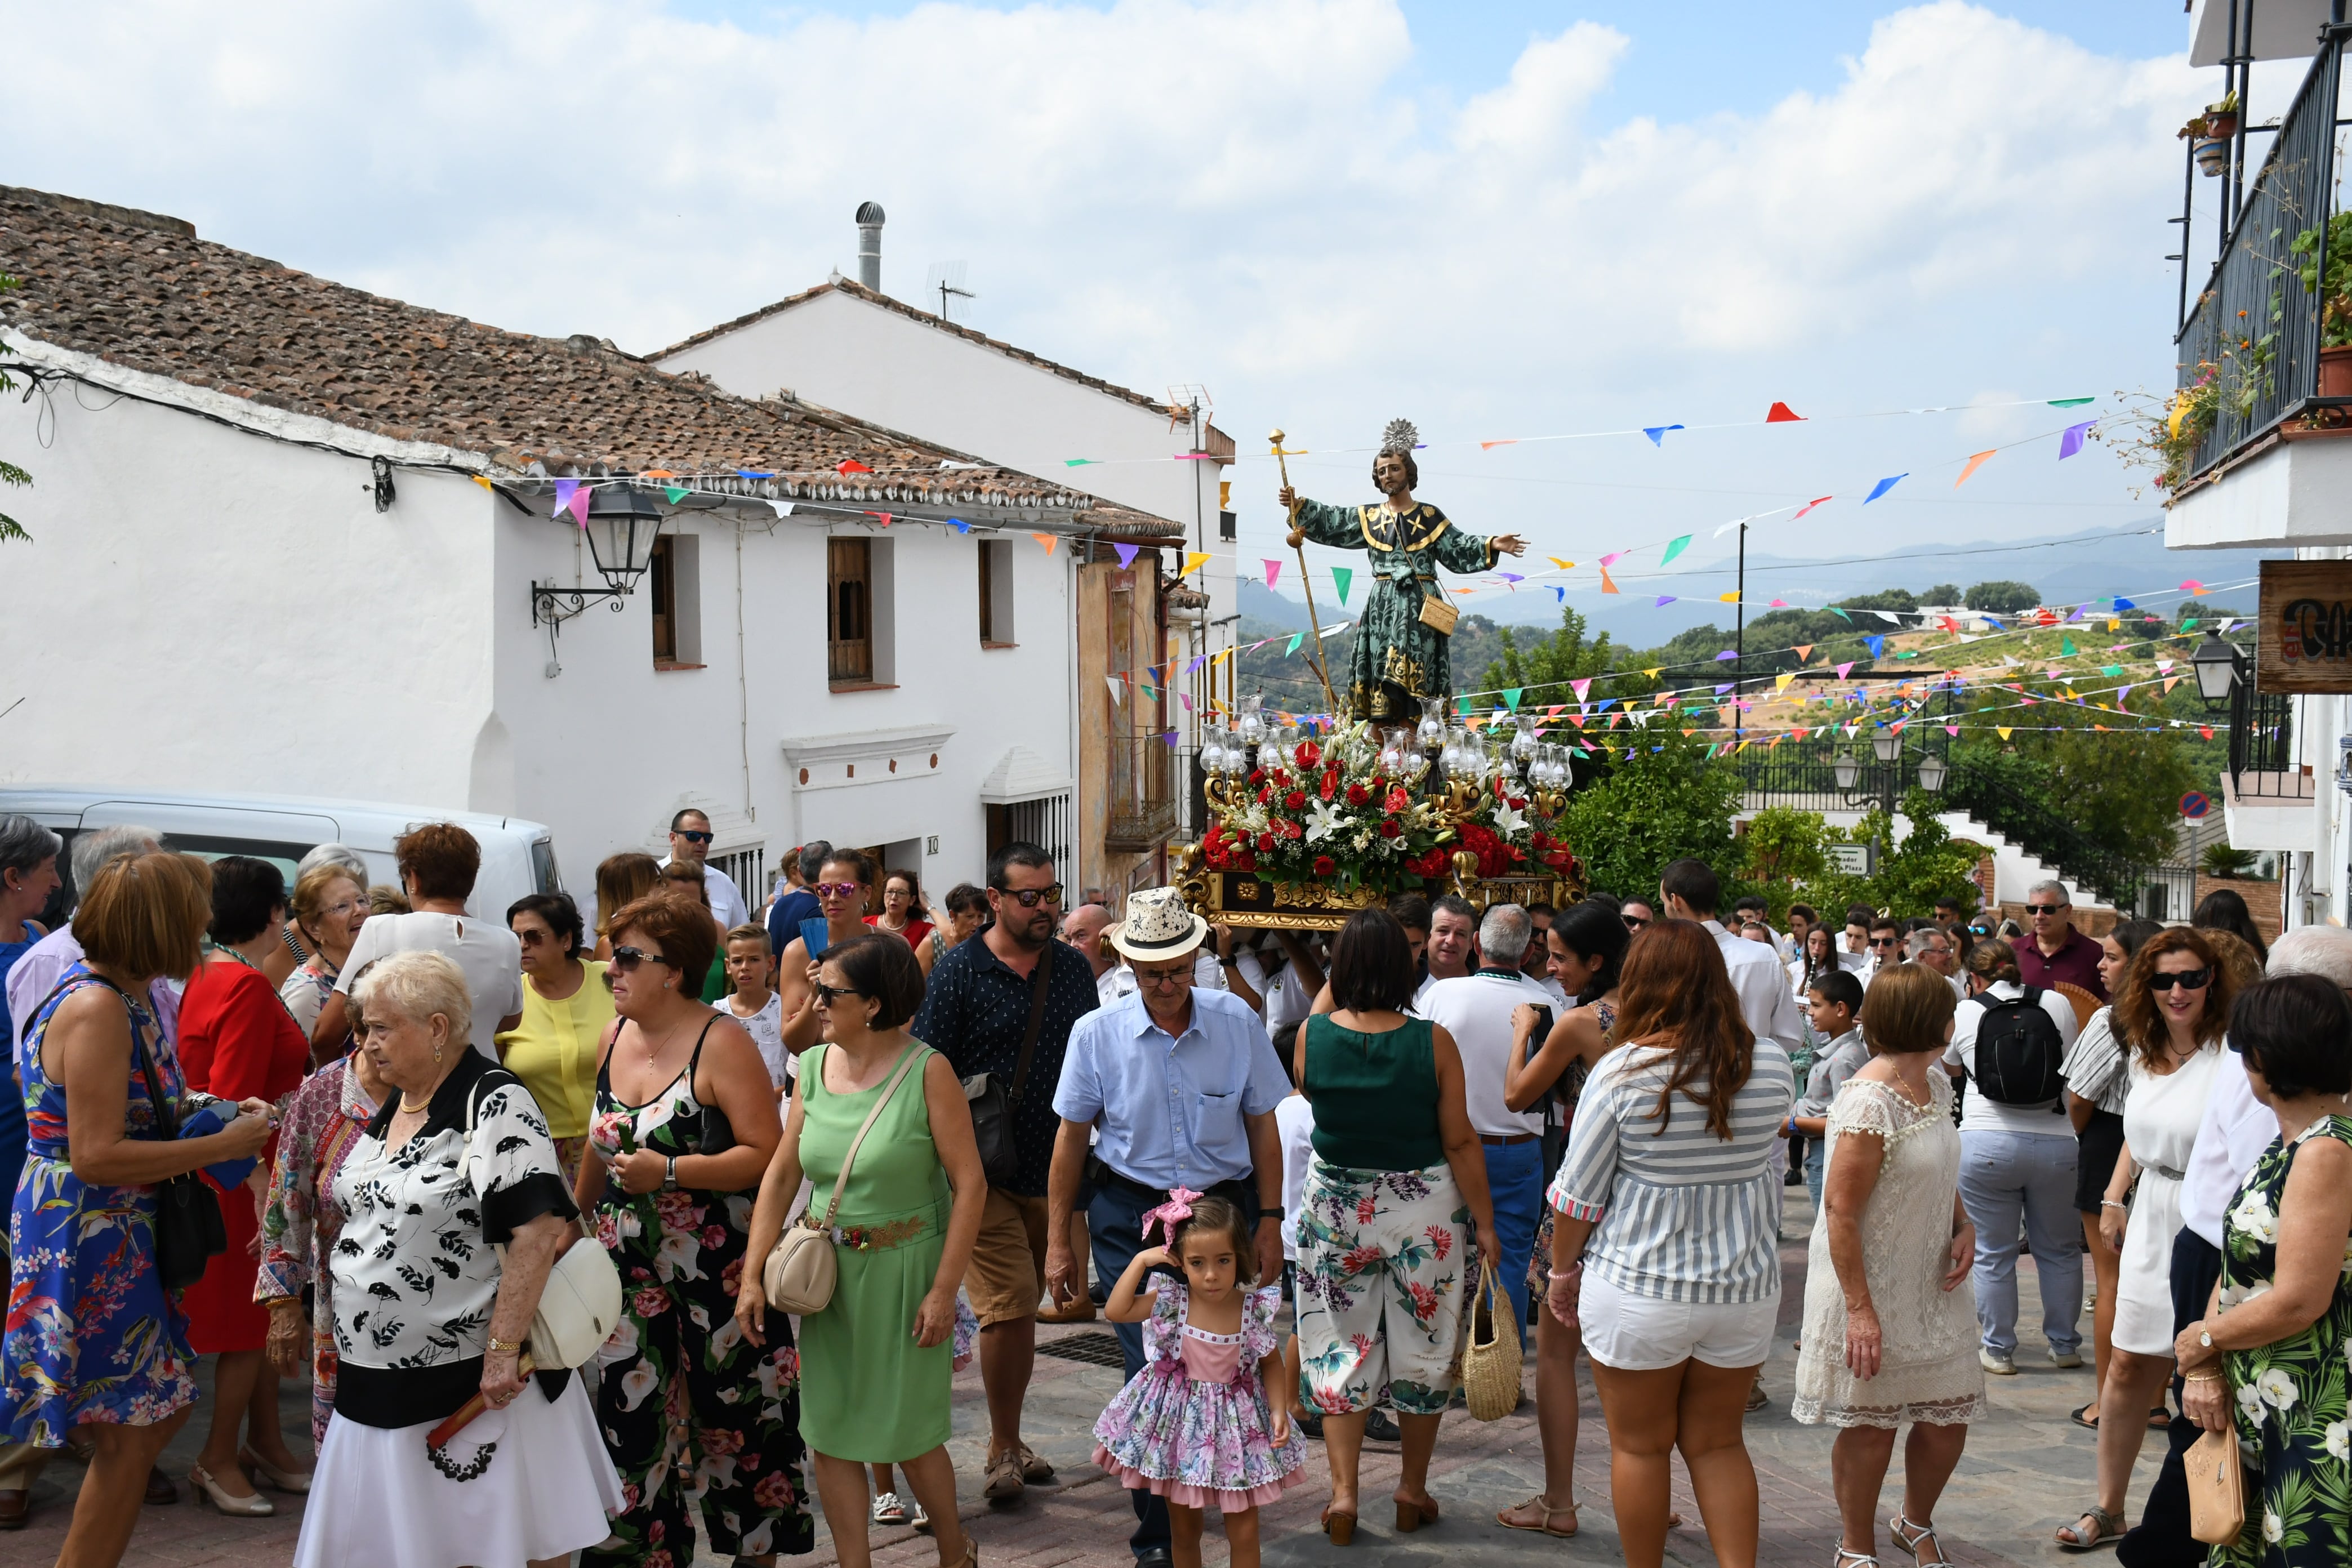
(800, 1273)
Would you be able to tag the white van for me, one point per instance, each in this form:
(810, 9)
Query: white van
(517, 857)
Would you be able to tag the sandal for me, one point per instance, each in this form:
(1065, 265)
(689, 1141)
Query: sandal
(1339, 1527)
(1844, 1556)
(2105, 1530)
(1543, 1504)
(2081, 1416)
(1920, 1532)
(1412, 1516)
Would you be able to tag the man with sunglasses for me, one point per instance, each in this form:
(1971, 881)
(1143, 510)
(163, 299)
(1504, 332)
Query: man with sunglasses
(2058, 954)
(1638, 913)
(976, 1012)
(1176, 1084)
(690, 844)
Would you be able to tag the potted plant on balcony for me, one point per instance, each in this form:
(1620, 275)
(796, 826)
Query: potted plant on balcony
(2335, 309)
(2209, 141)
(2221, 119)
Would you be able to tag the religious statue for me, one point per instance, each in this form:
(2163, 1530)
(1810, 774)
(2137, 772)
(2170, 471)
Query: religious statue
(1400, 652)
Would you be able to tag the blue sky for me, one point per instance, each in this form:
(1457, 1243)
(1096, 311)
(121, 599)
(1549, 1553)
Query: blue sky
(1500, 220)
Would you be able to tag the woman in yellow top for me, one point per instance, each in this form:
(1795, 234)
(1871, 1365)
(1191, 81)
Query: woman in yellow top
(566, 1006)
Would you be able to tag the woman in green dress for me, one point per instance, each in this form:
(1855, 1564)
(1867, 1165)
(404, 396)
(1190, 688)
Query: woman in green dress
(875, 1362)
(2269, 1353)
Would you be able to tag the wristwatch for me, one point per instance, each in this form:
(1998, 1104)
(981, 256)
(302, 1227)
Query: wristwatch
(2205, 1338)
(670, 1175)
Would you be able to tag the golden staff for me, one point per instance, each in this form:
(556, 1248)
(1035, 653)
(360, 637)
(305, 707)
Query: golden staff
(1298, 544)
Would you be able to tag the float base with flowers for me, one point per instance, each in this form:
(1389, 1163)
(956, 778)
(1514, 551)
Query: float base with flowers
(1306, 830)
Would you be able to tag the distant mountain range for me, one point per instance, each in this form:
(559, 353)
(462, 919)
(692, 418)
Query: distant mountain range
(2094, 565)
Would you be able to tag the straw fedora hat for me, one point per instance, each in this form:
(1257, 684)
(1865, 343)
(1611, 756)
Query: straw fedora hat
(1158, 927)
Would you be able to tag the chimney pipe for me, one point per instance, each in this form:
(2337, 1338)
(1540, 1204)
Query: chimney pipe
(869, 245)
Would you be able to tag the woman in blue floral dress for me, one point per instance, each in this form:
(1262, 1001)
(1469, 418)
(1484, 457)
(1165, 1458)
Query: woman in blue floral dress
(2279, 1321)
(94, 1341)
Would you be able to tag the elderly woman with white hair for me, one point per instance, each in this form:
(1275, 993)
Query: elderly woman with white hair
(455, 1212)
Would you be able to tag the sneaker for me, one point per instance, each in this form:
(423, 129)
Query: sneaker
(889, 1511)
(1997, 1363)
(1379, 1427)
(2065, 1359)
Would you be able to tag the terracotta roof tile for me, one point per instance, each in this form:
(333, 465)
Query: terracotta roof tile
(143, 292)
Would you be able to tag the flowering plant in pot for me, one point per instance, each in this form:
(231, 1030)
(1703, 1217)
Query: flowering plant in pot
(2335, 299)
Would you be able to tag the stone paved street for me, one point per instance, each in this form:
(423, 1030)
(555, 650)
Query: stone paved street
(2027, 1470)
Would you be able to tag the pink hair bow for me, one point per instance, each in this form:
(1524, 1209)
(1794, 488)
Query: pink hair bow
(1177, 1209)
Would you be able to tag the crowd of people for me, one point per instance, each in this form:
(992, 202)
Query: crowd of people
(319, 1128)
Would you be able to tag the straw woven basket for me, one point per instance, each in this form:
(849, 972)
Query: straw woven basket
(1490, 1367)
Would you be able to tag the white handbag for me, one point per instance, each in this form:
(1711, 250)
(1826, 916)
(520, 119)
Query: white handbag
(802, 1269)
(580, 1306)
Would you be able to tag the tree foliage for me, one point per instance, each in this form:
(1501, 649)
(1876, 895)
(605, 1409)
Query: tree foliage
(1549, 663)
(1654, 807)
(2003, 597)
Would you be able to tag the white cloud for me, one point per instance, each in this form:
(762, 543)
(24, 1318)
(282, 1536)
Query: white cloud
(1243, 194)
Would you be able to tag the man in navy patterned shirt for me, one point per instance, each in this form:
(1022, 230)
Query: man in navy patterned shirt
(975, 1011)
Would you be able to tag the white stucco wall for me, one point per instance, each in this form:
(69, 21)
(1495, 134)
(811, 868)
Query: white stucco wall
(205, 609)
(861, 358)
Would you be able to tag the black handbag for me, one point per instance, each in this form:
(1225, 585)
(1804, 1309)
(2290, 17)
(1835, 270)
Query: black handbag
(992, 1106)
(189, 1231)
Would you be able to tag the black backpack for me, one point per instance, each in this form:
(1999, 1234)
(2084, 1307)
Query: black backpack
(2018, 1054)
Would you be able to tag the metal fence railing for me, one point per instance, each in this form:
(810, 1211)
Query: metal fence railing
(2255, 330)
(1144, 811)
(2261, 746)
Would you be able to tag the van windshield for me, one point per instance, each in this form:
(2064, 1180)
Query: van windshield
(544, 877)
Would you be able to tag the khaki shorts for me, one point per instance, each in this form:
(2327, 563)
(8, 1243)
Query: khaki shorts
(1006, 1279)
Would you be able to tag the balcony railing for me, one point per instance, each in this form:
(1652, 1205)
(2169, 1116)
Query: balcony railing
(2262, 748)
(1143, 806)
(2255, 332)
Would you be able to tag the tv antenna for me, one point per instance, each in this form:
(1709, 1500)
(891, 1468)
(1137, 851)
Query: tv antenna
(946, 281)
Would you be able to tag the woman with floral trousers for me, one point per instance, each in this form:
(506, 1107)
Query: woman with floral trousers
(692, 1412)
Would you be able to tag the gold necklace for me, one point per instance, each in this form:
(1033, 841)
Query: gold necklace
(409, 1109)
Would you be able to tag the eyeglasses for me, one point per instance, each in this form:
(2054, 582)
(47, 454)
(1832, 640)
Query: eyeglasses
(627, 959)
(1882, 942)
(2187, 979)
(1164, 977)
(827, 995)
(1633, 923)
(2046, 909)
(691, 836)
(836, 890)
(1030, 898)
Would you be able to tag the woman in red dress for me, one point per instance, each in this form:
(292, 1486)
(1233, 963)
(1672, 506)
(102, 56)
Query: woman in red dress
(237, 1039)
(902, 909)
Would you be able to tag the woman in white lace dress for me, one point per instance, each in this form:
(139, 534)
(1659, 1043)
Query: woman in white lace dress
(1888, 1339)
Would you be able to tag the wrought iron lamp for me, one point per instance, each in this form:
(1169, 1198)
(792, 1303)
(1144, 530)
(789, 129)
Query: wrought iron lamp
(1932, 771)
(2220, 666)
(622, 524)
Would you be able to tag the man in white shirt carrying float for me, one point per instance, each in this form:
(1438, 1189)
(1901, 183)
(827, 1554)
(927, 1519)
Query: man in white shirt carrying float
(1476, 1009)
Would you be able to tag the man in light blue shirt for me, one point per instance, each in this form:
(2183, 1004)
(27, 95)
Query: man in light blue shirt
(1176, 1086)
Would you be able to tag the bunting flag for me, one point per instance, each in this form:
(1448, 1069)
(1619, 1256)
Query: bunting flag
(1726, 654)
(1563, 565)
(1657, 433)
(1582, 688)
(960, 525)
(1803, 650)
(1780, 681)
(2001, 730)
(1127, 554)
(1781, 414)
(1606, 586)
(1840, 614)
(1843, 667)
(564, 491)
(2070, 440)
(1512, 577)
(1674, 547)
(1511, 695)
(2069, 402)
(673, 493)
(1664, 600)
(1273, 570)
(1193, 561)
(1198, 659)
(851, 466)
(1490, 446)
(1343, 576)
(482, 481)
(2066, 647)
(1874, 644)
(758, 474)
(1883, 485)
(578, 505)
(1295, 639)
(1730, 598)
(1810, 505)
(1044, 539)
(2193, 587)
(1559, 592)
(883, 515)
(1975, 460)
(1611, 559)
(1116, 692)
(1078, 462)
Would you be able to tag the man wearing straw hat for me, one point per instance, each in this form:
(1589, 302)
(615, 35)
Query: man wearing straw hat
(1178, 1084)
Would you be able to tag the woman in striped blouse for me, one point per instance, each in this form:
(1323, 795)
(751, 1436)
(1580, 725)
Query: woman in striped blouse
(1666, 1198)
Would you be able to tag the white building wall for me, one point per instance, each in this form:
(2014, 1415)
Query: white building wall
(850, 354)
(204, 609)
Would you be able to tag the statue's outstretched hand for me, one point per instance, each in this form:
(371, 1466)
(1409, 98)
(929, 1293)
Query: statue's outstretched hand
(1287, 497)
(1510, 544)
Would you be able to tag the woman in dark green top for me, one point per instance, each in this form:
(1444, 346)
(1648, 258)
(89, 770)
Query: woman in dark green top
(1385, 1240)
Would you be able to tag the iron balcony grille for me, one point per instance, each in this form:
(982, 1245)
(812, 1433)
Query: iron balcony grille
(1143, 806)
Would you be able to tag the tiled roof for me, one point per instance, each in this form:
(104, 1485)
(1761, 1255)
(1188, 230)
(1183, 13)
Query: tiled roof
(141, 292)
(859, 292)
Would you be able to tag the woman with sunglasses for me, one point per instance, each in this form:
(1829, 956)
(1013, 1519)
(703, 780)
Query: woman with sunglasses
(2169, 1014)
(879, 1355)
(841, 886)
(685, 1123)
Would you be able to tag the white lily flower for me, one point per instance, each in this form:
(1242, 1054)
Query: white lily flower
(1323, 819)
(1507, 821)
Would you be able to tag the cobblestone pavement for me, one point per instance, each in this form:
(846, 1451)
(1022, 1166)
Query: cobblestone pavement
(2027, 1470)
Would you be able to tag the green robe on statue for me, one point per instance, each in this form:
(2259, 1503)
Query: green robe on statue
(1398, 662)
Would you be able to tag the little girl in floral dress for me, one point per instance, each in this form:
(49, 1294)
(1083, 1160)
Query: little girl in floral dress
(1195, 1426)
